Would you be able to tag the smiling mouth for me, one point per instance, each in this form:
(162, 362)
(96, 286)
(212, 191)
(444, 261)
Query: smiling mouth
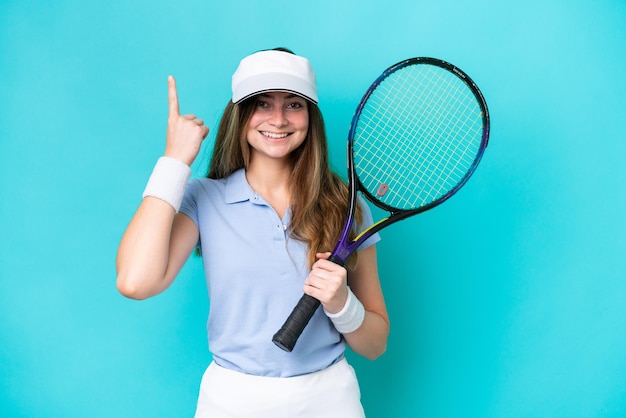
(274, 135)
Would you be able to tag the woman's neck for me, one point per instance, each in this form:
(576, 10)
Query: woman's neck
(272, 181)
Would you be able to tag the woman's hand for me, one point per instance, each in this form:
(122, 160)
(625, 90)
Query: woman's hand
(185, 133)
(327, 282)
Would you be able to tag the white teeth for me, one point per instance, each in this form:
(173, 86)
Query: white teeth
(273, 135)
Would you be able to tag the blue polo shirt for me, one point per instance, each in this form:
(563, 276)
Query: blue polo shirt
(255, 273)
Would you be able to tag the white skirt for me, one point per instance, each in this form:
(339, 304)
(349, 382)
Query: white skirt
(332, 392)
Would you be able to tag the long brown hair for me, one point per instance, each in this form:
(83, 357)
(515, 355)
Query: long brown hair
(318, 195)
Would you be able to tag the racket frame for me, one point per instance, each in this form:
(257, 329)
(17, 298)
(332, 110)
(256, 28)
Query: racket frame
(345, 247)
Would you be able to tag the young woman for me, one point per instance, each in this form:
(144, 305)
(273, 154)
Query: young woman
(264, 221)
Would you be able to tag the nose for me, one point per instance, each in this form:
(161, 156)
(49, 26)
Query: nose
(277, 118)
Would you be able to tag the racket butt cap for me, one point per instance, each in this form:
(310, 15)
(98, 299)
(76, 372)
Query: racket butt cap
(284, 343)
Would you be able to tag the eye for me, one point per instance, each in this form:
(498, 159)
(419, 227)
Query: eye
(261, 103)
(295, 105)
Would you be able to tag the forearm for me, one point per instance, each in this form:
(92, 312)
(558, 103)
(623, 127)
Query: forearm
(143, 253)
(370, 339)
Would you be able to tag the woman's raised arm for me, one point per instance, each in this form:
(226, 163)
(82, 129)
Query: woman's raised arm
(158, 240)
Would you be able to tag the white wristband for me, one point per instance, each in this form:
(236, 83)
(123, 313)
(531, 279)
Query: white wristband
(350, 317)
(168, 181)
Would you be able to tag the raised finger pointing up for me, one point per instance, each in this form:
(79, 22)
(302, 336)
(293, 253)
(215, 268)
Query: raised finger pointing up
(172, 97)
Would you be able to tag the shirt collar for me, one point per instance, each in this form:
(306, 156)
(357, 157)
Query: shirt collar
(237, 188)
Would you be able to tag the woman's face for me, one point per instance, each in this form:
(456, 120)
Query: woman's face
(278, 125)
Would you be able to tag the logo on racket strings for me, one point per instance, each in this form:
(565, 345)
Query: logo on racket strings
(382, 189)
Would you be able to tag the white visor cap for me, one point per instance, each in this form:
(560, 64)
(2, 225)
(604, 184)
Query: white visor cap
(274, 71)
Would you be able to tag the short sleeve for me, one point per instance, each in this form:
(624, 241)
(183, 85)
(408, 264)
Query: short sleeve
(189, 205)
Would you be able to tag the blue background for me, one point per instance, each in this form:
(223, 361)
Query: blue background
(507, 301)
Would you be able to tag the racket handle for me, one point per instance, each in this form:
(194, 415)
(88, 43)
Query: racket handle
(288, 335)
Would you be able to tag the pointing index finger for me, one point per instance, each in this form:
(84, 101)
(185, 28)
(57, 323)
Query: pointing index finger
(172, 96)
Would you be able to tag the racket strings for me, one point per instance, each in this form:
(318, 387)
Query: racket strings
(442, 115)
(378, 119)
(458, 153)
(418, 134)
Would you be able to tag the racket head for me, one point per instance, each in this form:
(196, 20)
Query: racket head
(417, 135)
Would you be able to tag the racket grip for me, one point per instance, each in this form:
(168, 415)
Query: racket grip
(288, 334)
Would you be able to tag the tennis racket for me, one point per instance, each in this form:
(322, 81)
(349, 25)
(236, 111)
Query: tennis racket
(416, 138)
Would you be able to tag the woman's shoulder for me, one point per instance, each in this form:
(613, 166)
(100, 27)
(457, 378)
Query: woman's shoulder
(210, 186)
(205, 184)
